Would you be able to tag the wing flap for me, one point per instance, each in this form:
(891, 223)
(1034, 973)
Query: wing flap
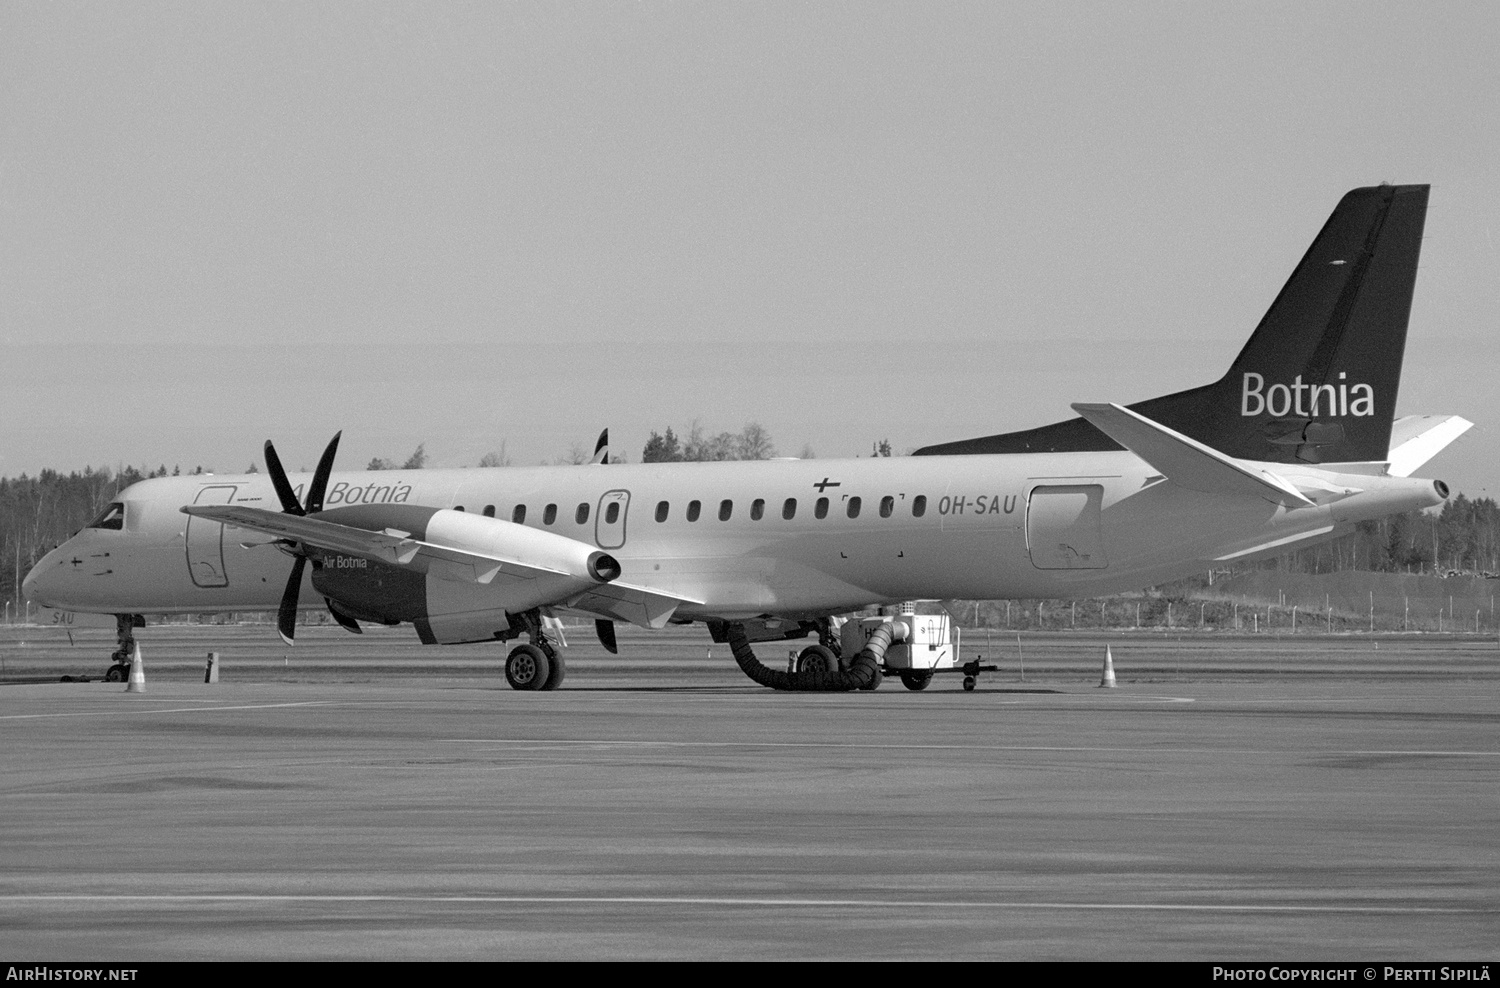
(1187, 462)
(642, 606)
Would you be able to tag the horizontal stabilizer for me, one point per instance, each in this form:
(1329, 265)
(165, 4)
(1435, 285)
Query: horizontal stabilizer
(1415, 439)
(1187, 462)
(1270, 544)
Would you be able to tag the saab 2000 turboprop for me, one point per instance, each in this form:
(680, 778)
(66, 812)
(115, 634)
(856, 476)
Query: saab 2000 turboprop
(1294, 444)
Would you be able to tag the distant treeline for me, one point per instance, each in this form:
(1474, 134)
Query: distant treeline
(38, 513)
(1464, 537)
(752, 442)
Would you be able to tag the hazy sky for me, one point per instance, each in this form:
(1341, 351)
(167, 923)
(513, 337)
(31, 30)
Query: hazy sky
(463, 225)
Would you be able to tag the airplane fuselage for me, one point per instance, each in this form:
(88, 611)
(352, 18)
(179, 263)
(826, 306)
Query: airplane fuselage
(743, 539)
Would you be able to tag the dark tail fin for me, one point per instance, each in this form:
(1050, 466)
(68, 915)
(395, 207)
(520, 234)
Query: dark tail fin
(1317, 381)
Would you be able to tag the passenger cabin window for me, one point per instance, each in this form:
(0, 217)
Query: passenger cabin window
(919, 506)
(757, 509)
(726, 508)
(518, 514)
(820, 510)
(582, 514)
(887, 505)
(489, 511)
(853, 508)
(549, 514)
(612, 513)
(112, 517)
(694, 507)
(789, 509)
(662, 507)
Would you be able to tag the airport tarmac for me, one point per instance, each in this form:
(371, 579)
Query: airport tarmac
(369, 799)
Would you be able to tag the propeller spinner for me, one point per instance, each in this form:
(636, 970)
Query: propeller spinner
(286, 615)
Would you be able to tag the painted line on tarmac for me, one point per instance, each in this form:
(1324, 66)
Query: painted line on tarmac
(170, 710)
(866, 746)
(1015, 694)
(732, 902)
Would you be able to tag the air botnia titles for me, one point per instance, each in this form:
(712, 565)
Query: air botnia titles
(372, 493)
(1356, 400)
(1383, 973)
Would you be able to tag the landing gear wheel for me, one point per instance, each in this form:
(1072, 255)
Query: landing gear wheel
(969, 683)
(527, 668)
(818, 658)
(874, 683)
(916, 681)
(117, 674)
(559, 670)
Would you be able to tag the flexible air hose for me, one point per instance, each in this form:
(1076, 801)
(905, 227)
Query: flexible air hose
(861, 672)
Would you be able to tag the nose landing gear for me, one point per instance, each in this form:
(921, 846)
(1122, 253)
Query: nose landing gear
(125, 625)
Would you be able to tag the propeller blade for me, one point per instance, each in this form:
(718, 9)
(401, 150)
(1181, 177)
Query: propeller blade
(286, 616)
(345, 621)
(601, 448)
(606, 632)
(319, 485)
(278, 480)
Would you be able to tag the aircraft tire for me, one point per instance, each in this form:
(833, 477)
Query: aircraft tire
(116, 674)
(558, 670)
(527, 668)
(819, 658)
(916, 681)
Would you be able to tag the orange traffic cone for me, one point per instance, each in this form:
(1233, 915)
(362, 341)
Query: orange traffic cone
(1108, 682)
(137, 682)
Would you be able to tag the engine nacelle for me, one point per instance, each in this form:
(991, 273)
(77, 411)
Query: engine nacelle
(500, 569)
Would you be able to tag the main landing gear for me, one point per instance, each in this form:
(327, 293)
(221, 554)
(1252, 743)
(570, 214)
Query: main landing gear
(827, 657)
(537, 665)
(818, 658)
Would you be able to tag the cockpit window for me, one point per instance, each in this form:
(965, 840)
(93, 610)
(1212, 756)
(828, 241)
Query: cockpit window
(113, 517)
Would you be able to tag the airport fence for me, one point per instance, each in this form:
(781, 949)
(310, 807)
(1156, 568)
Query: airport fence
(1272, 606)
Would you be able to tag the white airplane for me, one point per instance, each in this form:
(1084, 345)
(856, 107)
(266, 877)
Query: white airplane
(1296, 443)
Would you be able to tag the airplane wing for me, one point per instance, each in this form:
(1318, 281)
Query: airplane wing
(610, 599)
(1187, 462)
(389, 546)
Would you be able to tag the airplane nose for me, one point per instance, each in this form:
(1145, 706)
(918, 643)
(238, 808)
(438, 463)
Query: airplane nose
(31, 586)
(36, 587)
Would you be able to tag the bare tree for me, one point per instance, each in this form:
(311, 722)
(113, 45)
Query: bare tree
(576, 456)
(496, 459)
(755, 443)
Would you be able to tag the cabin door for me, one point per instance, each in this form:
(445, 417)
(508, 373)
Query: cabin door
(205, 541)
(1063, 529)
